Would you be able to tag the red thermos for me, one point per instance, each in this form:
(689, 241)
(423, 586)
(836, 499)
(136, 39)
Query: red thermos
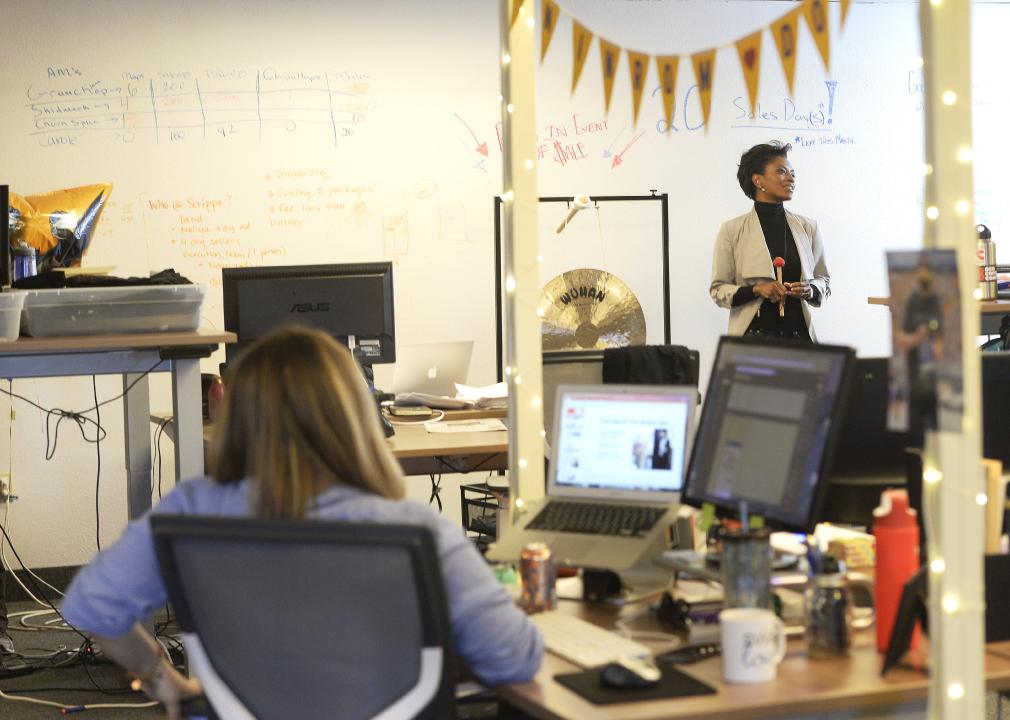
(896, 528)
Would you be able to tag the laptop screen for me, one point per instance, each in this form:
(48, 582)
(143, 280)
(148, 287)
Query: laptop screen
(621, 441)
(432, 368)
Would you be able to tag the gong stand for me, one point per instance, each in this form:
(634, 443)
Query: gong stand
(661, 198)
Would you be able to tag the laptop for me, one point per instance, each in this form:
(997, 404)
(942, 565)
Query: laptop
(432, 368)
(618, 458)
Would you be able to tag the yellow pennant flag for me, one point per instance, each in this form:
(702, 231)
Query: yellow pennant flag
(845, 10)
(749, 50)
(581, 40)
(548, 21)
(516, 6)
(785, 30)
(816, 13)
(610, 56)
(638, 63)
(704, 75)
(666, 66)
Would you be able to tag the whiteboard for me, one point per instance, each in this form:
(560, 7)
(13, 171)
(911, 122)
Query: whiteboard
(311, 131)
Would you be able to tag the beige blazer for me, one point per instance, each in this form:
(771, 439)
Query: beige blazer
(741, 258)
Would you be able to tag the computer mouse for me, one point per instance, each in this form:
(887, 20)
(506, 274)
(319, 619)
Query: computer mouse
(630, 673)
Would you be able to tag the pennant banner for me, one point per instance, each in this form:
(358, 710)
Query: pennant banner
(666, 67)
(581, 40)
(749, 50)
(785, 31)
(816, 13)
(548, 21)
(638, 64)
(610, 55)
(704, 75)
(516, 6)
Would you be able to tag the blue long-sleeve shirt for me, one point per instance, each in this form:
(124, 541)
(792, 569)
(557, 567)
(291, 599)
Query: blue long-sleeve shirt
(122, 584)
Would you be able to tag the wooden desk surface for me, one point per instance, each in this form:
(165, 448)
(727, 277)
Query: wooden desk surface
(986, 307)
(128, 341)
(415, 441)
(803, 686)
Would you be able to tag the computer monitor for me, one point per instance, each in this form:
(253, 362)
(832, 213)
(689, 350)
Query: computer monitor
(568, 367)
(865, 444)
(352, 302)
(996, 407)
(768, 429)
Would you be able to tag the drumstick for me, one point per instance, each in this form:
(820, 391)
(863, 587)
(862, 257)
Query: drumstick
(579, 202)
(779, 263)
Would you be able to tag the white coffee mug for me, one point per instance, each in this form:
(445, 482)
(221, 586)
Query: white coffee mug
(753, 644)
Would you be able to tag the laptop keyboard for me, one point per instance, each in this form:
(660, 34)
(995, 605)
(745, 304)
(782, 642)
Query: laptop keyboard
(597, 518)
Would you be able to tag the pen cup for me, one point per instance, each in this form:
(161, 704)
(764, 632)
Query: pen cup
(746, 568)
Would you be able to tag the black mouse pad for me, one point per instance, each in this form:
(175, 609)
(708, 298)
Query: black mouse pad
(673, 684)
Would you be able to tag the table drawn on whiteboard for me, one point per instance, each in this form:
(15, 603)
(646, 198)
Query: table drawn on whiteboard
(180, 105)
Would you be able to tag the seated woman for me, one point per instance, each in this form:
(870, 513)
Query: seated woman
(298, 437)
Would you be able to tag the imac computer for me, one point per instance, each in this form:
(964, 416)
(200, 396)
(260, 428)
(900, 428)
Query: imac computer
(768, 429)
(352, 302)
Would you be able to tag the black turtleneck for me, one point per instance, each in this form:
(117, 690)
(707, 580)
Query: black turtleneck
(779, 239)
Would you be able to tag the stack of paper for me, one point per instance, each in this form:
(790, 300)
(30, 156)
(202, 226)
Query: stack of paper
(490, 397)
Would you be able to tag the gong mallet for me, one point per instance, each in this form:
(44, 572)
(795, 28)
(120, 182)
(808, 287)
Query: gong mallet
(779, 263)
(579, 202)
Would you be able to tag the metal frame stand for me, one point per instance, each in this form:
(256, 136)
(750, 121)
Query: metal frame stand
(664, 201)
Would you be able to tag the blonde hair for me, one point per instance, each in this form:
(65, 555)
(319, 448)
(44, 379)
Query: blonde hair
(297, 417)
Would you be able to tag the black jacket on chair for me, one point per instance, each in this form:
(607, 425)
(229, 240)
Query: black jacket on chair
(651, 365)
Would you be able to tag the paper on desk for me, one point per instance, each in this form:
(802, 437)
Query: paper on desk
(487, 397)
(433, 401)
(461, 426)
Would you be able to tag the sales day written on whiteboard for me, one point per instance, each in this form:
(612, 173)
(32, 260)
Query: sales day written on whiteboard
(309, 132)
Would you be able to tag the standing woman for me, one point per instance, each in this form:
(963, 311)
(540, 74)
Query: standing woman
(743, 275)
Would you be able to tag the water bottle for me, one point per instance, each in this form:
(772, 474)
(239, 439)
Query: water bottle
(986, 259)
(896, 528)
(24, 261)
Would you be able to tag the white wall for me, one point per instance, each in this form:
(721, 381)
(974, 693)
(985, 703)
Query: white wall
(417, 84)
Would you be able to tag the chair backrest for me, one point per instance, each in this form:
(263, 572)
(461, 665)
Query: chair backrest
(310, 619)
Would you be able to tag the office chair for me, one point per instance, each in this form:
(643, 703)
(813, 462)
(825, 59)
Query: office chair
(310, 619)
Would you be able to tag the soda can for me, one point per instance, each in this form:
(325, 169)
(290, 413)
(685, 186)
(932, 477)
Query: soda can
(536, 567)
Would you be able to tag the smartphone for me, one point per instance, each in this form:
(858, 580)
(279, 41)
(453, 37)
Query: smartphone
(409, 411)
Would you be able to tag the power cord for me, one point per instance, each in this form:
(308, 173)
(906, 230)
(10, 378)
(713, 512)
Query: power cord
(52, 434)
(159, 433)
(84, 653)
(436, 490)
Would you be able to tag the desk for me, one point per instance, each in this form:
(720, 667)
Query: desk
(422, 453)
(131, 356)
(845, 688)
(992, 312)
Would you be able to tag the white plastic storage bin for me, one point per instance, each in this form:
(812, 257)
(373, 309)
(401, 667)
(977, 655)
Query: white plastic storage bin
(98, 311)
(10, 313)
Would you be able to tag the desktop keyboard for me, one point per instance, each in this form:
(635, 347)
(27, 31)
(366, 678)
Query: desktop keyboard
(583, 643)
(597, 518)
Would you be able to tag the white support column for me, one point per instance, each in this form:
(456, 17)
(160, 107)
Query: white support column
(953, 477)
(521, 252)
